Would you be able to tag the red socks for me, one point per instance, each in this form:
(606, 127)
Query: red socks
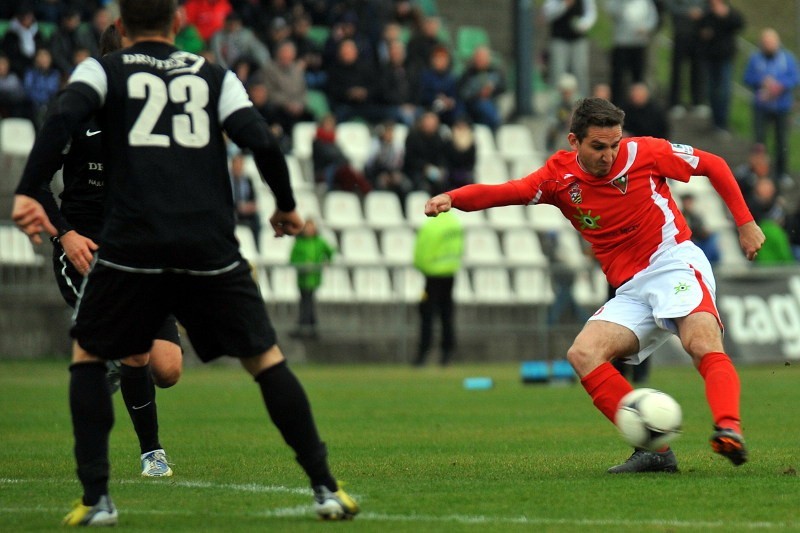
(606, 386)
(722, 389)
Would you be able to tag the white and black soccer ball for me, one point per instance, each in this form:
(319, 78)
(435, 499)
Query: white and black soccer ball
(649, 419)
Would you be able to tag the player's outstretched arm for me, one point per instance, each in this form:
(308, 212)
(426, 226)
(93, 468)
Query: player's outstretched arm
(751, 238)
(438, 204)
(30, 217)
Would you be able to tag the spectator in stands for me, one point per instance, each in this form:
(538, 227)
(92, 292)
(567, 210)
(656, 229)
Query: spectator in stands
(704, 238)
(188, 37)
(331, 166)
(395, 90)
(425, 155)
(352, 86)
(64, 42)
(287, 86)
(757, 166)
(234, 43)
(244, 197)
(50, 11)
(437, 254)
(602, 90)
(279, 31)
(561, 112)
(772, 74)
(686, 48)
(89, 34)
(644, 117)
(384, 167)
(764, 202)
(308, 53)
(406, 14)
(480, 85)
(461, 155)
(309, 254)
(13, 100)
(633, 24)
(421, 45)
(569, 22)
(391, 32)
(777, 249)
(793, 231)
(438, 87)
(259, 94)
(208, 16)
(22, 39)
(718, 30)
(41, 84)
(346, 29)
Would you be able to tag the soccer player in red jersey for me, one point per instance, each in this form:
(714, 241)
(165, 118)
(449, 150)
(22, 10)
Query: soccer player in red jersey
(614, 192)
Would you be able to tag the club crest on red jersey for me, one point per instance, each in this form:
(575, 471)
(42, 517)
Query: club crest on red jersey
(575, 193)
(621, 183)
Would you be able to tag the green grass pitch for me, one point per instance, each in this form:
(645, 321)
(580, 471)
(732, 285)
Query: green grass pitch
(418, 451)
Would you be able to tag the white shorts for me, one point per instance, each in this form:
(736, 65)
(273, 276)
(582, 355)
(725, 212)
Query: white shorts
(677, 283)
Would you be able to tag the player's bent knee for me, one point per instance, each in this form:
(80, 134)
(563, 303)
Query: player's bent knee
(136, 360)
(258, 363)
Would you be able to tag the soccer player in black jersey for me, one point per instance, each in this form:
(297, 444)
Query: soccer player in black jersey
(79, 220)
(168, 244)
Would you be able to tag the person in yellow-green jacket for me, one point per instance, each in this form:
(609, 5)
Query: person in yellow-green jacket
(437, 254)
(309, 253)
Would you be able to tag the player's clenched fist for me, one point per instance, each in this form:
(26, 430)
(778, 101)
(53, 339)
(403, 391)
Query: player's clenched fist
(438, 204)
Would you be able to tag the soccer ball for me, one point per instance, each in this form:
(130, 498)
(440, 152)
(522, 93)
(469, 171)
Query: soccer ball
(648, 419)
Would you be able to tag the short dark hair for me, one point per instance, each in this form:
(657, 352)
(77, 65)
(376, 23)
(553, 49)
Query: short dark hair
(110, 40)
(594, 112)
(147, 17)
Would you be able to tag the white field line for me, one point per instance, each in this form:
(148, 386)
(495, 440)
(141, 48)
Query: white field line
(305, 510)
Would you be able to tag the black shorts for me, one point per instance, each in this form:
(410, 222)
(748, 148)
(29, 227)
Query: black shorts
(70, 281)
(120, 312)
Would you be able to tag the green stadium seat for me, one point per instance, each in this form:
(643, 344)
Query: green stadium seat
(47, 29)
(3, 27)
(428, 7)
(468, 38)
(319, 34)
(317, 102)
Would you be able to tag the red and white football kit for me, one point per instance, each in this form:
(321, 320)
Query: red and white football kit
(636, 230)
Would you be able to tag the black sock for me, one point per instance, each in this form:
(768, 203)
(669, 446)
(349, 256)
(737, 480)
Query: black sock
(290, 411)
(92, 420)
(139, 394)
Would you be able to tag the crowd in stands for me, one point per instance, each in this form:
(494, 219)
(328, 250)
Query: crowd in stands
(393, 66)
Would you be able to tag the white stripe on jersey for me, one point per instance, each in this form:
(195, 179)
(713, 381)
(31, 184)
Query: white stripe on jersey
(232, 97)
(90, 72)
(633, 149)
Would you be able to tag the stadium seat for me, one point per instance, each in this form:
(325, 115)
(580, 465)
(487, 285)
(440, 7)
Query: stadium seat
(308, 204)
(515, 141)
(713, 211)
(521, 247)
(462, 288)
(481, 247)
(415, 208)
(532, 286)
(319, 34)
(400, 135)
(409, 284)
(491, 169)
(16, 249)
(509, 216)
(484, 141)
(336, 286)
(317, 103)
(247, 245)
(274, 250)
(730, 252)
(372, 284)
(342, 209)
(471, 219)
(468, 38)
(359, 246)
(16, 136)
(522, 166)
(296, 175)
(570, 250)
(382, 210)
(303, 139)
(590, 288)
(546, 217)
(492, 285)
(397, 245)
(697, 185)
(355, 140)
(283, 282)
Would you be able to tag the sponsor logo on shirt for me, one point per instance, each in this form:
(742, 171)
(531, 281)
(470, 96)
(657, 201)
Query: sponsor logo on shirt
(586, 219)
(682, 149)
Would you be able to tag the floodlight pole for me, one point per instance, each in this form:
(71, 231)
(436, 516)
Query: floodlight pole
(523, 54)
